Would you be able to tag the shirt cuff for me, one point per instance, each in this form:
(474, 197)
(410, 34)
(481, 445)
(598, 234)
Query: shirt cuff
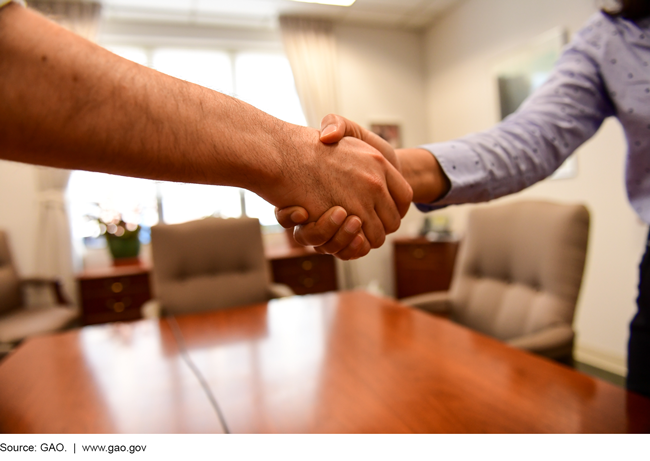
(464, 169)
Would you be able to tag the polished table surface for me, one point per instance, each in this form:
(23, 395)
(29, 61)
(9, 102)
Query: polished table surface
(336, 363)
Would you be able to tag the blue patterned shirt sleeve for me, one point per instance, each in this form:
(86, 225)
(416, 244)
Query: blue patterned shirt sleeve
(532, 143)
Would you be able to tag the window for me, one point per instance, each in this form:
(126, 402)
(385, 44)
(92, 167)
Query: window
(263, 80)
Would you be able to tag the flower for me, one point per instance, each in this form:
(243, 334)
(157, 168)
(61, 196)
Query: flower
(112, 226)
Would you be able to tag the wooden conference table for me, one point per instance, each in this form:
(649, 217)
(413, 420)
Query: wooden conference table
(336, 363)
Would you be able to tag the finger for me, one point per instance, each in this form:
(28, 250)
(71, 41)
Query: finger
(334, 128)
(345, 235)
(373, 227)
(358, 248)
(388, 214)
(320, 232)
(400, 191)
(291, 216)
(319, 250)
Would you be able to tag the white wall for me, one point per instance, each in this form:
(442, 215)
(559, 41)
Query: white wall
(460, 50)
(381, 78)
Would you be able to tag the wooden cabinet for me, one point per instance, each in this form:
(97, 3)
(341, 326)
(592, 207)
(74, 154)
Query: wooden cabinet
(113, 294)
(422, 266)
(302, 269)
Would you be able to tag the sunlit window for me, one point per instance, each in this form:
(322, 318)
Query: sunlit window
(263, 80)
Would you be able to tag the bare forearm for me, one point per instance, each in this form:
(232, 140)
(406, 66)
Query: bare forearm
(424, 174)
(69, 103)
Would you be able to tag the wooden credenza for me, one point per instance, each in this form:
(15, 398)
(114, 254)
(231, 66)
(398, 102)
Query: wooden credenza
(422, 266)
(116, 294)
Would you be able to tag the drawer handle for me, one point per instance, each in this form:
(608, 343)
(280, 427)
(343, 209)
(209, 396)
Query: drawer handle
(307, 265)
(117, 287)
(308, 282)
(418, 253)
(118, 306)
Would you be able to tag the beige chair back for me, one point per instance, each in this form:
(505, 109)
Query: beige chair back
(209, 264)
(520, 268)
(10, 294)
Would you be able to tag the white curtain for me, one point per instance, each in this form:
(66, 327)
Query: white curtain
(310, 46)
(53, 239)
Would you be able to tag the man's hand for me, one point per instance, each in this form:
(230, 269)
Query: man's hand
(342, 237)
(334, 233)
(349, 173)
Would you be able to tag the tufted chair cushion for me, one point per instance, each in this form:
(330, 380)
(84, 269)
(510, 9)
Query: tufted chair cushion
(10, 294)
(520, 268)
(209, 264)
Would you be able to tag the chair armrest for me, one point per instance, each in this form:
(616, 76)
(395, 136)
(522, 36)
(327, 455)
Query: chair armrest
(54, 284)
(551, 342)
(151, 309)
(435, 302)
(279, 290)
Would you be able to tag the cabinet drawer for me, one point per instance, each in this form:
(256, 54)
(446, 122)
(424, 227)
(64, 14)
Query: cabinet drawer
(115, 286)
(422, 266)
(424, 256)
(306, 274)
(105, 317)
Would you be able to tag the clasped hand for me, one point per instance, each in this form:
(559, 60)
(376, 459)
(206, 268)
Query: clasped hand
(335, 232)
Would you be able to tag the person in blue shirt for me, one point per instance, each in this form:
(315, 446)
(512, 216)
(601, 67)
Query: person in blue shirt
(603, 72)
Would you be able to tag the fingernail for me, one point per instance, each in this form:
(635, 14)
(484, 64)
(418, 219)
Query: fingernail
(328, 129)
(353, 226)
(339, 216)
(297, 217)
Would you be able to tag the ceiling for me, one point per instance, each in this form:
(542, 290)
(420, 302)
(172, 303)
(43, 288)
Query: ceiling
(401, 14)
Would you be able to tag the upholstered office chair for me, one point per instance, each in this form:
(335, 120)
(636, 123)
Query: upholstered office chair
(19, 321)
(209, 264)
(518, 275)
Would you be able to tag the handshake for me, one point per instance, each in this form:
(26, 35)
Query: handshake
(355, 189)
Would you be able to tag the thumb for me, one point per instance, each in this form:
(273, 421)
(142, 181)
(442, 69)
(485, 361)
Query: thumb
(333, 128)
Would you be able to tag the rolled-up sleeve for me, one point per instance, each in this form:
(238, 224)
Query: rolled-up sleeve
(533, 142)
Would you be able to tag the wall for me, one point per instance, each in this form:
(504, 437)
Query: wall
(460, 50)
(381, 78)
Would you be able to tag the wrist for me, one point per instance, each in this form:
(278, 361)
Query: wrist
(424, 174)
(294, 158)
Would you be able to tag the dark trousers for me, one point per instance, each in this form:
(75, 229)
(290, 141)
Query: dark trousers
(638, 357)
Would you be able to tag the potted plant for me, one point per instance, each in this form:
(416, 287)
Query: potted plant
(122, 238)
(123, 241)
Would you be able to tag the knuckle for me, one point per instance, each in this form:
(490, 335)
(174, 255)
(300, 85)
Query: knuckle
(375, 183)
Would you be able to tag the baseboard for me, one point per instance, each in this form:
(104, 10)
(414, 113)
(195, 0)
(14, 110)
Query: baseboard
(604, 360)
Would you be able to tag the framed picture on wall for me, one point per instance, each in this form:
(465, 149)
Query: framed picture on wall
(520, 72)
(391, 132)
